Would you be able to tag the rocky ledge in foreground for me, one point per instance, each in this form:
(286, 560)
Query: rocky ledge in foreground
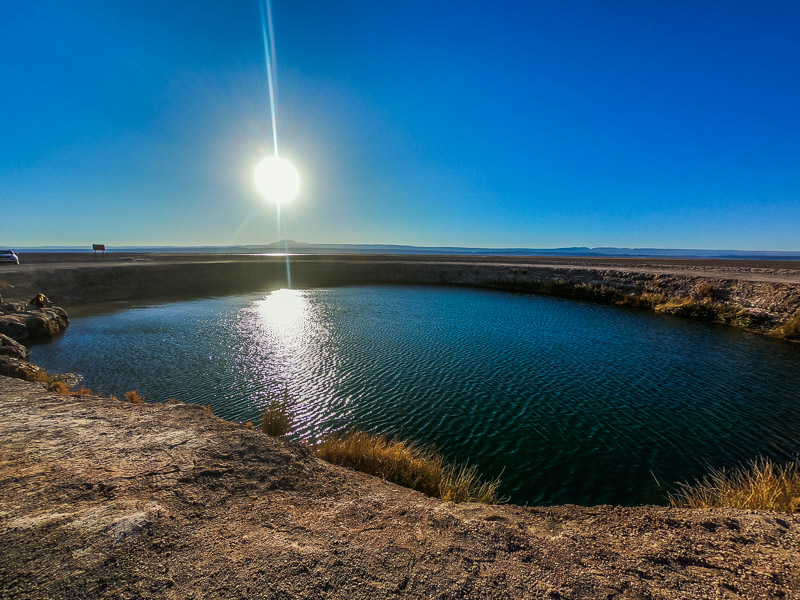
(100, 498)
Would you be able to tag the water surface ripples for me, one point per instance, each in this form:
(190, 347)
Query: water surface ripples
(573, 402)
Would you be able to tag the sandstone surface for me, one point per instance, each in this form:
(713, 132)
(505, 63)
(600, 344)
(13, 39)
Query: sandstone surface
(104, 499)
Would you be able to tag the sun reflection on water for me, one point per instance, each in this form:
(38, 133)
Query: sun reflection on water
(287, 353)
(285, 312)
(284, 338)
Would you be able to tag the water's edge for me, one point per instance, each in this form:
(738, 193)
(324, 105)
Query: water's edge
(703, 293)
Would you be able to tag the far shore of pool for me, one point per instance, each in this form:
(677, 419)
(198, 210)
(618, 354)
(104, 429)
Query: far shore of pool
(759, 295)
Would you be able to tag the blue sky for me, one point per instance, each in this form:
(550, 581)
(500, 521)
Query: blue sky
(504, 124)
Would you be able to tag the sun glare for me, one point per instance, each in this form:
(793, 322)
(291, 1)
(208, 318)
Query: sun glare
(277, 179)
(284, 310)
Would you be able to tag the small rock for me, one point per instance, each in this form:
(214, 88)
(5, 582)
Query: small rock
(9, 347)
(135, 523)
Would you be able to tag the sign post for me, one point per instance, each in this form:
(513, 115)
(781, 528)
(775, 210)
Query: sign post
(99, 248)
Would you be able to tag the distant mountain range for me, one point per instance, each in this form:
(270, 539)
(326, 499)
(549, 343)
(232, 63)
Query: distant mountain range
(306, 248)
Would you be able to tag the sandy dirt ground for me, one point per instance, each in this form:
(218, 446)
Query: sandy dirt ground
(104, 499)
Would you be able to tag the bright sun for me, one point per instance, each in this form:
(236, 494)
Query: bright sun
(277, 179)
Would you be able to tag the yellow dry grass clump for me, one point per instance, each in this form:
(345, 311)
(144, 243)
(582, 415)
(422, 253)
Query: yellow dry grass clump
(134, 397)
(59, 387)
(277, 418)
(55, 385)
(410, 465)
(463, 483)
(789, 330)
(761, 485)
(39, 375)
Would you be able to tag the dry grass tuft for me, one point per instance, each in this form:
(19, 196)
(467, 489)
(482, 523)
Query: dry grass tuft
(134, 397)
(277, 418)
(643, 300)
(59, 387)
(404, 463)
(705, 302)
(682, 307)
(708, 310)
(408, 464)
(789, 330)
(463, 483)
(761, 485)
(39, 375)
(706, 291)
(53, 382)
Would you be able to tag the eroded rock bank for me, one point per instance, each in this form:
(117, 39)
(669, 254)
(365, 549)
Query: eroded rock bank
(12, 348)
(101, 498)
(20, 322)
(756, 295)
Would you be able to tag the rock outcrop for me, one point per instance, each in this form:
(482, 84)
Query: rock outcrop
(20, 323)
(14, 360)
(11, 366)
(12, 348)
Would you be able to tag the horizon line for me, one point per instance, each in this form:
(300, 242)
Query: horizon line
(470, 249)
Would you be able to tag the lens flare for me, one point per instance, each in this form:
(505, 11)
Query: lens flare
(277, 179)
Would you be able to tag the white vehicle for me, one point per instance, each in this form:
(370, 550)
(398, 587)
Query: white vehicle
(9, 256)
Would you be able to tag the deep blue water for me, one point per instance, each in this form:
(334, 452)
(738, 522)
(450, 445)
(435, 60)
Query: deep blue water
(573, 402)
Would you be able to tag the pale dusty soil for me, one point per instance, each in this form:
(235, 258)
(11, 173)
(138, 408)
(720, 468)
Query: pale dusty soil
(100, 498)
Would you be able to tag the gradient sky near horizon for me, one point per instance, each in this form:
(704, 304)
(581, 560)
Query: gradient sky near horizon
(506, 124)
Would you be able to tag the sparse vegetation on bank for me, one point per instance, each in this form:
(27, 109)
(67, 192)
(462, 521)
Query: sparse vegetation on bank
(410, 465)
(790, 330)
(703, 305)
(277, 418)
(761, 485)
(463, 483)
(38, 375)
(54, 383)
(59, 387)
(134, 397)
